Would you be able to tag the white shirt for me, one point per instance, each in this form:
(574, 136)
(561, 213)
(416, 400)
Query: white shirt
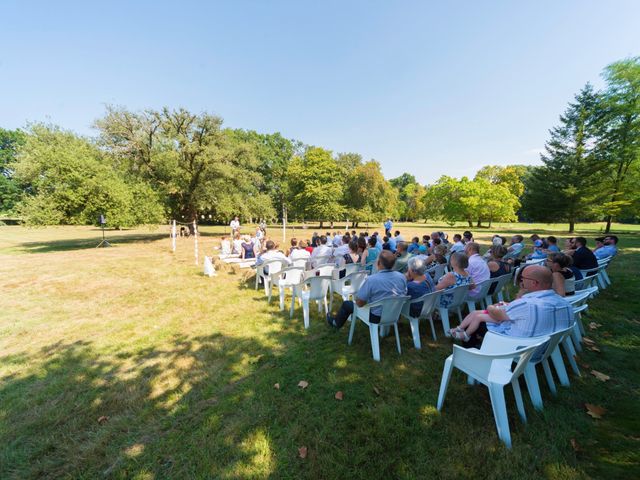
(226, 247)
(337, 240)
(271, 255)
(321, 251)
(235, 224)
(237, 246)
(341, 250)
(298, 253)
(457, 247)
(399, 238)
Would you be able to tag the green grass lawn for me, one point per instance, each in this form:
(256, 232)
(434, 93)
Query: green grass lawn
(128, 363)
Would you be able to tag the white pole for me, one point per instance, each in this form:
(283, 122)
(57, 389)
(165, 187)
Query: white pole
(347, 225)
(284, 224)
(195, 238)
(174, 234)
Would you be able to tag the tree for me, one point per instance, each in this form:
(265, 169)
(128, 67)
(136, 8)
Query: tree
(620, 145)
(566, 187)
(193, 164)
(10, 191)
(509, 176)
(314, 186)
(410, 193)
(348, 162)
(71, 181)
(368, 196)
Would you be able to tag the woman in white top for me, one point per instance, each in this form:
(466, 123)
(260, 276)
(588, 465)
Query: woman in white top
(237, 244)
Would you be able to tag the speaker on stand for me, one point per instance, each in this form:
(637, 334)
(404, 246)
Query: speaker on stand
(104, 243)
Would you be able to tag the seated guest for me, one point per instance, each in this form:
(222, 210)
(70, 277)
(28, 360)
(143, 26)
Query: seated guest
(457, 246)
(225, 246)
(344, 247)
(467, 237)
(294, 245)
(237, 244)
(426, 240)
(315, 240)
(397, 237)
(564, 281)
(322, 250)
(393, 243)
(385, 243)
(386, 283)
(444, 238)
(497, 266)
(308, 247)
(351, 256)
(552, 244)
(515, 249)
(435, 236)
(541, 311)
(497, 240)
(539, 251)
(270, 254)
(609, 247)
(402, 258)
(458, 277)
(247, 248)
(370, 255)
(419, 283)
(434, 243)
(583, 258)
(337, 240)
(477, 268)
(300, 253)
(437, 257)
(362, 244)
(415, 245)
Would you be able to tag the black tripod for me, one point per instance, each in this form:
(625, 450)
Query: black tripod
(104, 243)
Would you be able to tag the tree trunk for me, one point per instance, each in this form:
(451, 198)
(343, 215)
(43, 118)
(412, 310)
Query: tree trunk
(470, 223)
(572, 226)
(479, 224)
(321, 224)
(608, 227)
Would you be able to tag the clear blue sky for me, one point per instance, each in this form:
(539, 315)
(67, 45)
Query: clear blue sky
(429, 88)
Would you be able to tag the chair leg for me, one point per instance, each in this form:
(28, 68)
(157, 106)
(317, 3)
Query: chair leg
(320, 305)
(375, 341)
(519, 403)
(433, 328)
(471, 306)
(549, 376)
(496, 392)
(460, 315)
(354, 320)
(531, 378)
(305, 312)
(500, 297)
(444, 383)
(561, 371)
(580, 326)
(415, 332)
(281, 292)
(571, 355)
(576, 337)
(395, 327)
(444, 315)
(293, 302)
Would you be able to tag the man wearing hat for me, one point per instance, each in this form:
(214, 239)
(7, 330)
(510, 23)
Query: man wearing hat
(609, 247)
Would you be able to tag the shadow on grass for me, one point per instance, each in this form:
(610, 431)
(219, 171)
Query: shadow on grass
(87, 243)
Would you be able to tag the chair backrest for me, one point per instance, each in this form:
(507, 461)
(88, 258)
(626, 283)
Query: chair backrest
(322, 270)
(391, 308)
(579, 297)
(321, 260)
(604, 261)
(291, 275)
(317, 286)
(437, 271)
(498, 283)
(429, 302)
(483, 289)
(346, 270)
(355, 280)
(536, 261)
(547, 348)
(301, 262)
(459, 295)
(585, 282)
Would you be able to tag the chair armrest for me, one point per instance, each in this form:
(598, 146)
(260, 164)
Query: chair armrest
(494, 343)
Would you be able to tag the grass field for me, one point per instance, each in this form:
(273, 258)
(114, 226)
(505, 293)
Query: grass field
(128, 363)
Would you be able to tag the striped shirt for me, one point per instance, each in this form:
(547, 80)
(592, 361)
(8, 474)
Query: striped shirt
(536, 313)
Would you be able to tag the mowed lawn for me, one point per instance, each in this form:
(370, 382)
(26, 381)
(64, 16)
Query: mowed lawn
(128, 363)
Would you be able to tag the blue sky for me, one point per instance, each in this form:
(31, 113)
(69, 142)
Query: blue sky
(429, 88)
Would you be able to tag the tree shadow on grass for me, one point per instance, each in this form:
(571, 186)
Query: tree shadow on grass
(87, 243)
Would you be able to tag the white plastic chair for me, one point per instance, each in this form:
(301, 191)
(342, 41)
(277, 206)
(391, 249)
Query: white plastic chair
(603, 273)
(495, 343)
(500, 283)
(480, 297)
(343, 271)
(321, 260)
(391, 307)
(313, 288)
(350, 284)
(459, 296)
(579, 304)
(301, 262)
(272, 266)
(494, 371)
(437, 271)
(286, 278)
(429, 302)
(322, 270)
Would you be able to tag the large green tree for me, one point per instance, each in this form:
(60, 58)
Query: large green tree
(71, 181)
(568, 186)
(10, 191)
(195, 166)
(620, 143)
(368, 196)
(315, 186)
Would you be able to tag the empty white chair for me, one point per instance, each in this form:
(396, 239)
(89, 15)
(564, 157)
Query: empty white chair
(313, 288)
(391, 307)
(289, 277)
(494, 371)
(480, 296)
(340, 274)
(429, 302)
(459, 294)
(270, 266)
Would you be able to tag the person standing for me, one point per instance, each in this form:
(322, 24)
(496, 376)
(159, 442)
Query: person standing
(388, 225)
(235, 226)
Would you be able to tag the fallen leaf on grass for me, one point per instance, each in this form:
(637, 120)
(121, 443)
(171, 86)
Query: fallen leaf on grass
(594, 325)
(303, 384)
(375, 389)
(588, 341)
(302, 452)
(276, 386)
(574, 445)
(595, 411)
(600, 376)
(338, 395)
(586, 366)
(103, 419)
(593, 349)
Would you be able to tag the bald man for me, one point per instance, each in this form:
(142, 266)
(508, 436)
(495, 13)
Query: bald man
(540, 311)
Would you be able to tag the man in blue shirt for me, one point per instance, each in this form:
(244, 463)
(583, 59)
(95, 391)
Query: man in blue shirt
(609, 247)
(385, 283)
(388, 225)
